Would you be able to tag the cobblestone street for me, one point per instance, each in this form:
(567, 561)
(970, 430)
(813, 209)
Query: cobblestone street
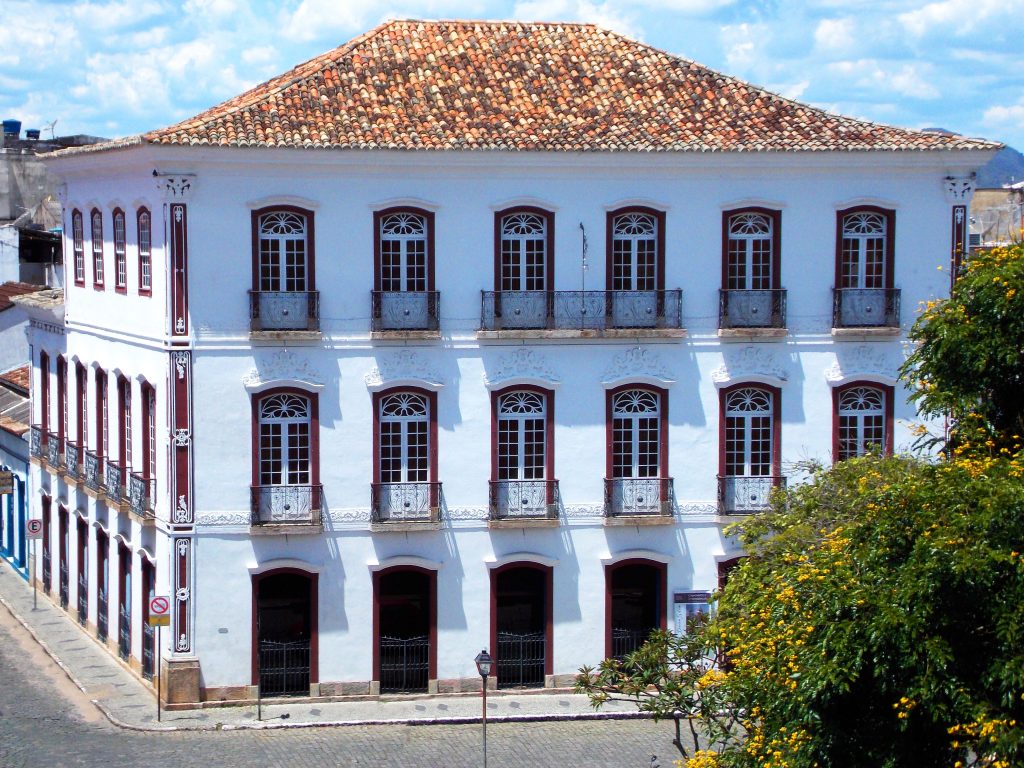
(46, 722)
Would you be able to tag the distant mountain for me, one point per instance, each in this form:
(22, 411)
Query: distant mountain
(1006, 167)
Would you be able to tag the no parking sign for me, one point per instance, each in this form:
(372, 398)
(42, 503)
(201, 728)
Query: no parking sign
(159, 611)
(34, 528)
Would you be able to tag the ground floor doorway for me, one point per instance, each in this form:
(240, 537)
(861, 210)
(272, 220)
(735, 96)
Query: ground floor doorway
(406, 629)
(635, 601)
(285, 614)
(521, 596)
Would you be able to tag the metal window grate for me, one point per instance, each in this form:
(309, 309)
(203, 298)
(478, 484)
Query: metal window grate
(404, 664)
(284, 668)
(521, 659)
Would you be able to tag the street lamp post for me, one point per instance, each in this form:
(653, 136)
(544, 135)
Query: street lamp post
(483, 666)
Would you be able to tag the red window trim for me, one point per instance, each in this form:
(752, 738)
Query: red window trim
(890, 241)
(776, 395)
(428, 217)
(776, 218)
(662, 426)
(659, 223)
(124, 570)
(549, 622)
(431, 404)
(889, 421)
(120, 287)
(549, 427)
(148, 427)
(62, 399)
(81, 404)
(77, 246)
(662, 602)
(314, 620)
(97, 274)
(44, 392)
(314, 430)
(432, 634)
(310, 243)
(549, 264)
(143, 290)
(124, 386)
(102, 424)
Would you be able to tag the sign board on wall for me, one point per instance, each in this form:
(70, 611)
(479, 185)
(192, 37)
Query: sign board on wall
(686, 605)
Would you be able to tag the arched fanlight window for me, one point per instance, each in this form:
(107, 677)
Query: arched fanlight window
(283, 249)
(403, 252)
(285, 430)
(524, 253)
(78, 245)
(634, 252)
(861, 421)
(97, 247)
(749, 257)
(120, 251)
(404, 438)
(749, 430)
(636, 433)
(145, 241)
(863, 251)
(522, 436)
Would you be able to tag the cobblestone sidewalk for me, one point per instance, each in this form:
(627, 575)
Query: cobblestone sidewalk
(130, 703)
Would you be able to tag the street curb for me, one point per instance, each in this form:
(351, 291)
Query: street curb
(267, 726)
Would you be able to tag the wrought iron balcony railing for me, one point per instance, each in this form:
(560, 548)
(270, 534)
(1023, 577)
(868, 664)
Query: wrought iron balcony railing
(405, 502)
(638, 496)
(406, 310)
(580, 310)
(287, 504)
(524, 499)
(866, 308)
(284, 310)
(54, 451)
(747, 495)
(37, 441)
(94, 475)
(73, 459)
(752, 308)
(141, 494)
(115, 481)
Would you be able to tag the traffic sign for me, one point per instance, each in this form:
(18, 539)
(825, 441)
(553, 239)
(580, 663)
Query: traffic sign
(159, 611)
(34, 528)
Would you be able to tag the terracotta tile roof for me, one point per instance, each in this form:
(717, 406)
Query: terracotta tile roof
(461, 85)
(18, 377)
(7, 290)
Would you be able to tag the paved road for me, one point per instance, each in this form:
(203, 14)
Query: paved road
(46, 721)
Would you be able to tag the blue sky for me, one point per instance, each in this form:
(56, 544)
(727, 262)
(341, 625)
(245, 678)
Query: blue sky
(118, 67)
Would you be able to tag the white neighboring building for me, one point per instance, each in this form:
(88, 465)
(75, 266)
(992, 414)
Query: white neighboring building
(460, 335)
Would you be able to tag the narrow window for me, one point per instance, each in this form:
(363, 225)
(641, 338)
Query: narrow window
(524, 251)
(282, 251)
(636, 434)
(44, 393)
(97, 248)
(62, 399)
(864, 250)
(863, 416)
(404, 256)
(749, 433)
(78, 246)
(120, 252)
(522, 436)
(82, 405)
(145, 241)
(102, 432)
(124, 422)
(149, 432)
(284, 435)
(404, 424)
(749, 252)
(634, 252)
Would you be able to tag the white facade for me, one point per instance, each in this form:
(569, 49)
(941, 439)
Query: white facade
(343, 365)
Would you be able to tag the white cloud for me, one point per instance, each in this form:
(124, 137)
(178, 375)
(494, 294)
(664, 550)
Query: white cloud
(910, 79)
(960, 17)
(1004, 116)
(741, 43)
(689, 7)
(262, 54)
(116, 14)
(836, 37)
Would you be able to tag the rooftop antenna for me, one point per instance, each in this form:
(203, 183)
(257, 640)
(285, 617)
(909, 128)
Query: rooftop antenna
(50, 127)
(583, 260)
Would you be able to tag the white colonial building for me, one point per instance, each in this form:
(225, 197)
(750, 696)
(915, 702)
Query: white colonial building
(463, 335)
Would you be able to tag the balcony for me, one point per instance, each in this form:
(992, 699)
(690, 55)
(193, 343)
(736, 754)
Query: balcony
(405, 311)
(518, 501)
(397, 503)
(639, 497)
(94, 475)
(141, 495)
(597, 313)
(752, 312)
(864, 309)
(37, 441)
(115, 482)
(747, 495)
(287, 507)
(284, 310)
(54, 452)
(73, 460)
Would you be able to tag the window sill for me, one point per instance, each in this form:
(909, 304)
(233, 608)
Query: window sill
(285, 336)
(406, 526)
(747, 334)
(406, 335)
(882, 331)
(623, 520)
(295, 529)
(524, 522)
(584, 333)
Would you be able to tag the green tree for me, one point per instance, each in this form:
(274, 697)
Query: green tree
(969, 360)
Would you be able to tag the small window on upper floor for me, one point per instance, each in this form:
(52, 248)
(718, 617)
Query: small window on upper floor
(751, 297)
(283, 295)
(404, 297)
(120, 252)
(865, 295)
(78, 246)
(96, 234)
(145, 242)
(636, 260)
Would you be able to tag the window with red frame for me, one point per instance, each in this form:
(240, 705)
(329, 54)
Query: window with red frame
(404, 257)
(81, 405)
(522, 439)
(525, 254)
(863, 420)
(865, 248)
(636, 433)
(145, 241)
(636, 250)
(751, 250)
(148, 431)
(749, 432)
(44, 393)
(285, 440)
(124, 423)
(62, 399)
(96, 233)
(78, 246)
(102, 424)
(120, 252)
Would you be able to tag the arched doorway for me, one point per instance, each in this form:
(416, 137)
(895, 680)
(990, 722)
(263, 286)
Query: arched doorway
(284, 609)
(521, 624)
(405, 630)
(635, 596)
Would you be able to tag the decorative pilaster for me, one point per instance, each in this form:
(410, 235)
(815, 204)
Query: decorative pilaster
(958, 192)
(182, 513)
(176, 189)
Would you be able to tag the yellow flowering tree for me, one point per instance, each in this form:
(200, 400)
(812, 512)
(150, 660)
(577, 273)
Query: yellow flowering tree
(969, 360)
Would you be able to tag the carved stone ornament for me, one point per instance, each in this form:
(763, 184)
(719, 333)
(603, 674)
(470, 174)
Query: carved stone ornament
(176, 187)
(181, 510)
(522, 363)
(283, 366)
(959, 188)
(182, 438)
(181, 362)
(637, 364)
(880, 363)
(222, 519)
(749, 362)
(407, 366)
